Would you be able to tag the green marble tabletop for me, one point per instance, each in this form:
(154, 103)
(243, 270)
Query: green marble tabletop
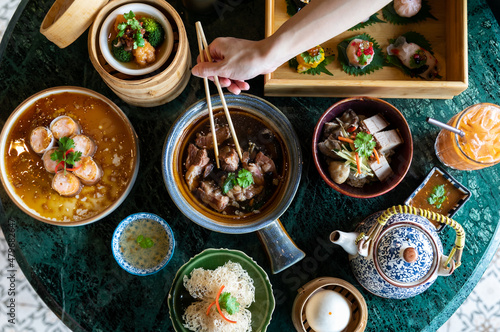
(73, 269)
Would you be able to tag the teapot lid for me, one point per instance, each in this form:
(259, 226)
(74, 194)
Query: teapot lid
(406, 255)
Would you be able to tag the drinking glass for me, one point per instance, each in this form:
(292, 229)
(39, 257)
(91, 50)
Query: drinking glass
(480, 147)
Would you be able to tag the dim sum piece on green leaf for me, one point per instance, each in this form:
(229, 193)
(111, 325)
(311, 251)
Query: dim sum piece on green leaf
(412, 53)
(407, 7)
(312, 62)
(360, 55)
(372, 20)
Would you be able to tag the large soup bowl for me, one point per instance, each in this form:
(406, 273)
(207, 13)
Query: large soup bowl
(107, 122)
(281, 250)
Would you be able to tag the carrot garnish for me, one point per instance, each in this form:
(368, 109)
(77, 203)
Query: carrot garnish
(210, 307)
(376, 155)
(218, 306)
(358, 164)
(344, 139)
(351, 129)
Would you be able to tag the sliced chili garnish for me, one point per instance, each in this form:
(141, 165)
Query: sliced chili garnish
(61, 163)
(218, 306)
(351, 129)
(73, 168)
(376, 155)
(69, 151)
(210, 307)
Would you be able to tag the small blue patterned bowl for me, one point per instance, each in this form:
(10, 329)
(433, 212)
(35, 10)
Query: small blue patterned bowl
(117, 245)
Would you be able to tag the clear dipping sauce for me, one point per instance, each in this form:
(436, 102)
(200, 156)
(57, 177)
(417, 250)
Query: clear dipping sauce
(137, 256)
(480, 147)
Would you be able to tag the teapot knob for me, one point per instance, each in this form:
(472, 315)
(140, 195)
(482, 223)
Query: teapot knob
(410, 255)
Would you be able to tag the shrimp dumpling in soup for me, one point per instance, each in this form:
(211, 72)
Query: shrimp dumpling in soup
(64, 126)
(407, 8)
(41, 139)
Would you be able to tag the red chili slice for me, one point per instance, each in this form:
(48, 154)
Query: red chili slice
(218, 306)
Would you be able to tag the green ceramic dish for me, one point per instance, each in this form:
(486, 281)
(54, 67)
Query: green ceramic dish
(179, 298)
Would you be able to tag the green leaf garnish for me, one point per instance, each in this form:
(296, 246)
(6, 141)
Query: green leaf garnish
(308, 58)
(438, 196)
(378, 58)
(229, 303)
(321, 68)
(65, 154)
(364, 144)
(372, 20)
(391, 16)
(134, 25)
(243, 180)
(144, 242)
(411, 37)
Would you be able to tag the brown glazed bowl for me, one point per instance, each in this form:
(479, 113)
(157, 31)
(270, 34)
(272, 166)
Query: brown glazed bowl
(400, 162)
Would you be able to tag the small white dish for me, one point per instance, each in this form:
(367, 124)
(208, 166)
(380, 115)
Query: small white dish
(136, 8)
(116, 245)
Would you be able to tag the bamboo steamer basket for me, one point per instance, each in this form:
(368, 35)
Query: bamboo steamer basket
(153, 89)
(66, 20)
(359, 309)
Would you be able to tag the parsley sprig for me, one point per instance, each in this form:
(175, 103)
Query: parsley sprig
(364, 144)
(438, 196)
(134, 25)
(228, 302)
(244, 179)
(65, 154)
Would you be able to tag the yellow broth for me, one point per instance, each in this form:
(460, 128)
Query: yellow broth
(452, 193)
(247, 128)
(116, 153)
(137, 256)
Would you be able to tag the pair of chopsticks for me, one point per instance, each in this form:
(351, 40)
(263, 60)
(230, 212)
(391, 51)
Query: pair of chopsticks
(203, 46)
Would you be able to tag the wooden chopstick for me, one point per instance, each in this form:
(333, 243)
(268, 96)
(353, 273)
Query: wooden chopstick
(221, 93)
(209, 100)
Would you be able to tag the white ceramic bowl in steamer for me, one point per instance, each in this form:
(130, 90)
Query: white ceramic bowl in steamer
(136, 8)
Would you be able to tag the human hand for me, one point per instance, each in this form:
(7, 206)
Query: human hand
(235, 61)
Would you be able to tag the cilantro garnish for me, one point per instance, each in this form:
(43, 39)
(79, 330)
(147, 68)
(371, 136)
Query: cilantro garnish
(243, 180)
(134, 25)
(364, 144)
(144, 242)
(228, 302)
(438, 196)
(65, 153)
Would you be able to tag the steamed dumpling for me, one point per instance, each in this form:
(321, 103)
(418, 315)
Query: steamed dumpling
(360, 53)
(407, 8)
(420, 61)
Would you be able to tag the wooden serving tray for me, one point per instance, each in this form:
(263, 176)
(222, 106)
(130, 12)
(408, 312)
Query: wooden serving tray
(448, 38)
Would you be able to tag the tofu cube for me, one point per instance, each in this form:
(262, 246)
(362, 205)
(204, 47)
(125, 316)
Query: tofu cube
(382, 170)
(375, 124)
(387, 140)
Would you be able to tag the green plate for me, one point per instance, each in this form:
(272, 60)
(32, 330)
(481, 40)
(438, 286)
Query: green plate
(179, 298)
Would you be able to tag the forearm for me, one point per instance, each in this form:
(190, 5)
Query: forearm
(316, 23)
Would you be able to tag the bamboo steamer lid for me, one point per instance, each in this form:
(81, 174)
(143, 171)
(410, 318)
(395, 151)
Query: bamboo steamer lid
(66, 20)
(359, 309)
(157, 88)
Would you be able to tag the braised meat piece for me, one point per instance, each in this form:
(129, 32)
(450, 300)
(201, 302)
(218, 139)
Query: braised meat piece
(207, 142)
(240, 194)
(210, 194)
(195, 163)
(328, 146)
(258, 177)
(266, 164)
(229, 159)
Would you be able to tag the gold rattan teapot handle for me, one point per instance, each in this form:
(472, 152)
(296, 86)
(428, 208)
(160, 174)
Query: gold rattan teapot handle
(456, 251)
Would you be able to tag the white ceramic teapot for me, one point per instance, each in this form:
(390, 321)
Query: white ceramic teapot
(397, 253)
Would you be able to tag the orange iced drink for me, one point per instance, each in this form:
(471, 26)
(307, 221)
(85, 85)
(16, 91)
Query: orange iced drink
(480, 147)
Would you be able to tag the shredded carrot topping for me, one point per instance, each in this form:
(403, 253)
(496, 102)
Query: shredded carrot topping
(344, 139)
